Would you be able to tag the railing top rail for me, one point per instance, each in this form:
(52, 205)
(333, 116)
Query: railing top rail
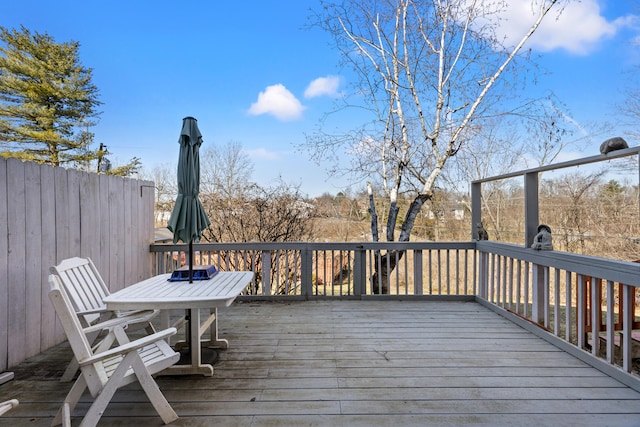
(625, 272)
(315, 246)
(577, 162)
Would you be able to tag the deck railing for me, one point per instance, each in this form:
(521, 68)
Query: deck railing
(573, 297)
(307, 270)
(592, 303)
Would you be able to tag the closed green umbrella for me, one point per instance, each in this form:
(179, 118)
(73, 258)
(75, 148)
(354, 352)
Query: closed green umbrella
(188, 218)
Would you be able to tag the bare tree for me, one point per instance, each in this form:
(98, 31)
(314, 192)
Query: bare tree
(226, 170)
(570, 210)
(164, 178)
(243, 211)
(428, 70)
(274, 214)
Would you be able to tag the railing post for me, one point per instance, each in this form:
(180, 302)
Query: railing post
(306, 272)
(530, 207)
(359, 271)
(266, 272)
(476, 207)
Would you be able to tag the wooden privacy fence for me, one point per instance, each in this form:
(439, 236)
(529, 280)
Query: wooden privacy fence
(49, 214)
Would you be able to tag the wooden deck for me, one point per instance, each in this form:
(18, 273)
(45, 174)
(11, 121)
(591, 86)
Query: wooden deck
(359, 363)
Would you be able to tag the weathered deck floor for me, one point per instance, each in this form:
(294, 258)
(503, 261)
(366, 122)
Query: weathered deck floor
(359, 363)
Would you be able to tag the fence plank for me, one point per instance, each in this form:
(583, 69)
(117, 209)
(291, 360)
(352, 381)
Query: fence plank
(128, 237)
(63, 245)
(4, 268)
(51, 331)
(90, 210)
(74, 213)
(116, 219)
(16, 222)
(105, 230)
(33, 259)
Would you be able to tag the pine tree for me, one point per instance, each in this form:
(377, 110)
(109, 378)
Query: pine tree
(47, 100)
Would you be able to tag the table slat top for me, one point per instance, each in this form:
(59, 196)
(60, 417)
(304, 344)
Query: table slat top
(159, 293)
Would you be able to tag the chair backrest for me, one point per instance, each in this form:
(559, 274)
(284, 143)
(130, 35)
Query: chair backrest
(75, 335)
(83, 285)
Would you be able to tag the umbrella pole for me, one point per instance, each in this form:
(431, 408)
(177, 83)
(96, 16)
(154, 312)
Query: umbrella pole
(191, 261)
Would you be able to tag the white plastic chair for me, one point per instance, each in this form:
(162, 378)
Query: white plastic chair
(104, 370)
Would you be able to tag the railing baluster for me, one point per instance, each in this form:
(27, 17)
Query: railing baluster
(581, 308)
(430, 273)
(499, 282)
(457, 272)
(448, 256)
(492, 279)
(417, 272)
(610, 321)
(510, 285)
(518, 284)
(406, 272)
(439, 266)
(556, 305)
(525, 310)
(568, 306)
(627, 308)
(545, 293)
(596, 305)
(466, 272)
(504, 282)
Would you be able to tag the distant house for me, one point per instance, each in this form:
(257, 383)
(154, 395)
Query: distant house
(458, 212)
(162, 235)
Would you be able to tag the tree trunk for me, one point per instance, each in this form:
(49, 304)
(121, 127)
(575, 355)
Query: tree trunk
(385, 263)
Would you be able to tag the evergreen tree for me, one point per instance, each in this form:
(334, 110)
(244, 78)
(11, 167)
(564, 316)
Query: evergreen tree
(47, 100)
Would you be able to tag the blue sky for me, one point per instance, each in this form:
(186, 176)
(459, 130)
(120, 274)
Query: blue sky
(250, 72)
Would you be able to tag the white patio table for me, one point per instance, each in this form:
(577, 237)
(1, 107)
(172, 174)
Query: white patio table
(159, 293)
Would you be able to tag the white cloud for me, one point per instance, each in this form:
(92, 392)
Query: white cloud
(323, 86)
(279, 102)
(578, 28)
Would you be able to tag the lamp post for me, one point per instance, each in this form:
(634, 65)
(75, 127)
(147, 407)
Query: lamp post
(103, 164)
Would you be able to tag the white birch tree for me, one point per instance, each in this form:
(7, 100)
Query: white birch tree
(429, 72)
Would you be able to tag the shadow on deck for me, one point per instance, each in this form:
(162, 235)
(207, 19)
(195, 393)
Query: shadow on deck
(358, 363)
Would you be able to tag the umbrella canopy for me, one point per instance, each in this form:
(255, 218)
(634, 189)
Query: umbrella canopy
(188, 217)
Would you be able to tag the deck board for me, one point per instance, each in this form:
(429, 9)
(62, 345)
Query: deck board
(359, 363)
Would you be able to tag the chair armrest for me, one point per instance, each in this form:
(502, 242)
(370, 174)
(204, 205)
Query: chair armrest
(93, 311)
(8, 405)
(117, 321)
(128, 347)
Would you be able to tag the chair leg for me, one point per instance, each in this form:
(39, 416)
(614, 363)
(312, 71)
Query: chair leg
(70, 372)
(150, 387)
(147, 382)
(70, 401)
(101, 401)
(66, 415)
